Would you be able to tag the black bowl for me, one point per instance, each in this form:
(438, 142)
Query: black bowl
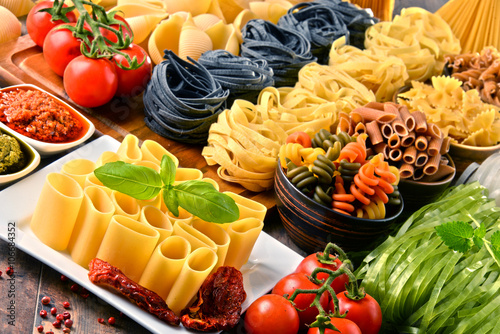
(312, 225)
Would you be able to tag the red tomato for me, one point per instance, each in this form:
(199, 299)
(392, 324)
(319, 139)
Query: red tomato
(271, 314)
(345, 326)
(132, 82)
(311, 262)
(59, 48)
(300, 137)
(39, 23)
(106, 33)
(292, 282)
(365, 312)
(90, 82)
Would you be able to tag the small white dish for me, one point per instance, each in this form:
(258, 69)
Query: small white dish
(31, 155)
(45, 148)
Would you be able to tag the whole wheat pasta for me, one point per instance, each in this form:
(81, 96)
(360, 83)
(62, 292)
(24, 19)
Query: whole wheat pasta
(360, 128)
(373, 131)
(420, 121)
(386, 130)
(421, 159)
(445, 145)
(408, 140)
(371, 114)
(432, 165)
(382, 148)
(443, 171)
(375, 105)
(391, 108)
(410, 155)
(345, 126)
(434, 146)
(406, 171)
(394, 141)
(400, 127)
(395, 154)
(433, 130)
(421, 143)
(407, 117)
(418, 174)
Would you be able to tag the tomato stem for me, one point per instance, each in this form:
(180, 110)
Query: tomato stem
(324, 257)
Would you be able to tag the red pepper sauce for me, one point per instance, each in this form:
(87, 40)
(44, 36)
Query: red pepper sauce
(38, 115)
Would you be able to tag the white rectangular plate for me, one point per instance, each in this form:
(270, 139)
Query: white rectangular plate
(270, 260)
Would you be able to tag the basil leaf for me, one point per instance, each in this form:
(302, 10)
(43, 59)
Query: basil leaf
(204, 201)
(167, 170)
(136, 181)
(170, 200)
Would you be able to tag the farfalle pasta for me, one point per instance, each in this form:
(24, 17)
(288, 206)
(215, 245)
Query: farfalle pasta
(460, 115)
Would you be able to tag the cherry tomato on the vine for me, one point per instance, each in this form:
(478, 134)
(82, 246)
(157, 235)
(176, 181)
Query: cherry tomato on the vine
(40, 23)
(111, 36)
(299, 137)
(132, 82)
(365, 312)
(311, 262)
(90, 82)
(271, 314)
(345, 326)
(59, 48)
(294, 281)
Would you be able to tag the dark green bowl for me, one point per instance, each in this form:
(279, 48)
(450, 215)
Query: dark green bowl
(311, 225)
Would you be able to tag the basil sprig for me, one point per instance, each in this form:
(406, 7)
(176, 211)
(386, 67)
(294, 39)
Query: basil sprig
(197, 197)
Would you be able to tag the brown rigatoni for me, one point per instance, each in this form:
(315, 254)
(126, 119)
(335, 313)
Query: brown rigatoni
(420, 121)
(399, 127)
(421, 143)
(408, 140)
(421, 159)
(407, 117)
(371, 114)
(418, 174)
(395, 154)
(406, 171)
(410, 155)
(382, 148)
(432, 165)
(434, 147)
(445, 145)
(386, 130)
(373, 131)
(360, 128)
(433, 131)
(394, 141)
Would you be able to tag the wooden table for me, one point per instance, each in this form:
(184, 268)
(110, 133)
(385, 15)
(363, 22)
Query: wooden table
(21, 61)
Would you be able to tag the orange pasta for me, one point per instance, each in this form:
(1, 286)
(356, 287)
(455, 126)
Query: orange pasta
(354, 151)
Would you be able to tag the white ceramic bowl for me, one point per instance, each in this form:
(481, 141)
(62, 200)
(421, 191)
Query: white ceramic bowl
(45, 148)
(31, 155)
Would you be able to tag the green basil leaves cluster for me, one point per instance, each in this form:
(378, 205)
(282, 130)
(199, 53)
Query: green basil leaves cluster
(197, 197)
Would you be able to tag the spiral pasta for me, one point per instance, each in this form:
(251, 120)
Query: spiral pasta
(301, 177)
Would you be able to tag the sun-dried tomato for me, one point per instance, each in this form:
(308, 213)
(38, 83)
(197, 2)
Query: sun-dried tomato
(102, 273)
(218, 305)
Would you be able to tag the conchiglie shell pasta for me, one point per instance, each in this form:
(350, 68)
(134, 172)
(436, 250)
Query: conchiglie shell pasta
(270, 10)
(205, 21)
(10, 27)
(142, 18)
(193, 41)
(196, 7)
(224, 37)
(166, 37)
(17, 7)
(231, 8)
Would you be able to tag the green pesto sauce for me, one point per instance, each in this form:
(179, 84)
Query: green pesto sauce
(11, 155)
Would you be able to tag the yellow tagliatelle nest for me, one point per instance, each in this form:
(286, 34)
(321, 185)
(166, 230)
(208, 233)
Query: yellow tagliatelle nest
(10, 27)
(461, 115)
(383, 74)
(421, 39)
(246, 139)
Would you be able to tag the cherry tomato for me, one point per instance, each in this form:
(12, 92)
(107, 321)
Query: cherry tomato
(365, 312)
(345, 326)
(111, 36)
(90, 82)
(59, 48)
(311, 262)
(39, 23)
(132, 82)
(271, 314)
(294, 281)
(300, 137)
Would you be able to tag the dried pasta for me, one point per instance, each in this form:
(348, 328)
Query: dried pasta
(459, 114)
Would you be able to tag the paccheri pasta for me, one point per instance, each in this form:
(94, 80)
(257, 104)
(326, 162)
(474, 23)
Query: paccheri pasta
(460, 115)
(169, 255)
